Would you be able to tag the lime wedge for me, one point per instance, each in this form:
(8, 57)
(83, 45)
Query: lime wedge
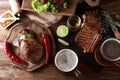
(62, 31)
(63, 42)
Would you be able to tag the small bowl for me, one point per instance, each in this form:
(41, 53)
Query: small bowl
(110, 49)
(66, 60)
(7, 23)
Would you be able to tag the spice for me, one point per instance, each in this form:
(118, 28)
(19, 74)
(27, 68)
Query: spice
(46, 41)
(11, 55)
(5, 24)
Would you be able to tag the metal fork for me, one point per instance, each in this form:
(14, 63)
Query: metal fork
(2, 20)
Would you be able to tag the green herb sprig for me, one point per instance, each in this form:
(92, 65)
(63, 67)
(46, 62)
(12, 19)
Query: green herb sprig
(39, 7)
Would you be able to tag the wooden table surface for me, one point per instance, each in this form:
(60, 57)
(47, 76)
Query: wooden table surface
(50, 72)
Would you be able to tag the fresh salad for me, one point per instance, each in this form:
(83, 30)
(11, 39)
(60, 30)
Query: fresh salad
(53, 5)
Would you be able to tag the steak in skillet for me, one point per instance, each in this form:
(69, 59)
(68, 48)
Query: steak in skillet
(30, 48)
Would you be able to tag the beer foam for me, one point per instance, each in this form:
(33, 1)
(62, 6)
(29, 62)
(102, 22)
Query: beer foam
(66, 60)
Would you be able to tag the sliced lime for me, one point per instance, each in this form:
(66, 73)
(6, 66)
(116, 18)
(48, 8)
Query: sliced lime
(63, 42)
(62, 31)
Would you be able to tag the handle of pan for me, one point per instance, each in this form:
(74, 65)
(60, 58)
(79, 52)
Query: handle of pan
(92, 2)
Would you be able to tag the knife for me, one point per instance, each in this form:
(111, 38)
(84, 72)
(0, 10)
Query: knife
(115, 31)
(92, 2)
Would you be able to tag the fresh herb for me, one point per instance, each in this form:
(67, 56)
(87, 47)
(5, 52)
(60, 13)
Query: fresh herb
(53, 5)
(39, 7)
(26, 36)
(110, 18)
(65, 5)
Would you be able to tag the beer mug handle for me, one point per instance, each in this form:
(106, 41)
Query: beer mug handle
(117, 64)
(76, 73)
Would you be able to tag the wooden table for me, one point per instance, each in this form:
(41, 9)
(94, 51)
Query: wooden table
(89, 68)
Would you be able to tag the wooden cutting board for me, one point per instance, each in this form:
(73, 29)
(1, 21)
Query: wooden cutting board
(26, 5)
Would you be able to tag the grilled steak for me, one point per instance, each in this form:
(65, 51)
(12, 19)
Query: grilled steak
(88, 36)
(30, 48)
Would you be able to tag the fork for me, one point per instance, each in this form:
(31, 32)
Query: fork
(2, 20)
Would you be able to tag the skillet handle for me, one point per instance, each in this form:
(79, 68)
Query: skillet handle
(92, 2)
(117, 34)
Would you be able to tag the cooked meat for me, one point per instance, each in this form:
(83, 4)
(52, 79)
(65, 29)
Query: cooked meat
(30, 48)
(58, 3)
(88, 36)
(43, 1)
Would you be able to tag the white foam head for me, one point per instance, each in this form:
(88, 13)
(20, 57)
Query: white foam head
(66, 60)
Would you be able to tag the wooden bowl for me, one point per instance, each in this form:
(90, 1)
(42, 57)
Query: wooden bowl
(99, 58)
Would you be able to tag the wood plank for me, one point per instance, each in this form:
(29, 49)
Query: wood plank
(4, 5)
(112, 6)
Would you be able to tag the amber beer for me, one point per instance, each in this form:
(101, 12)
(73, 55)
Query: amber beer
(74, 23)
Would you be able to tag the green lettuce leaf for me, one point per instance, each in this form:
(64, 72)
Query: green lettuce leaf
(39, 7)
